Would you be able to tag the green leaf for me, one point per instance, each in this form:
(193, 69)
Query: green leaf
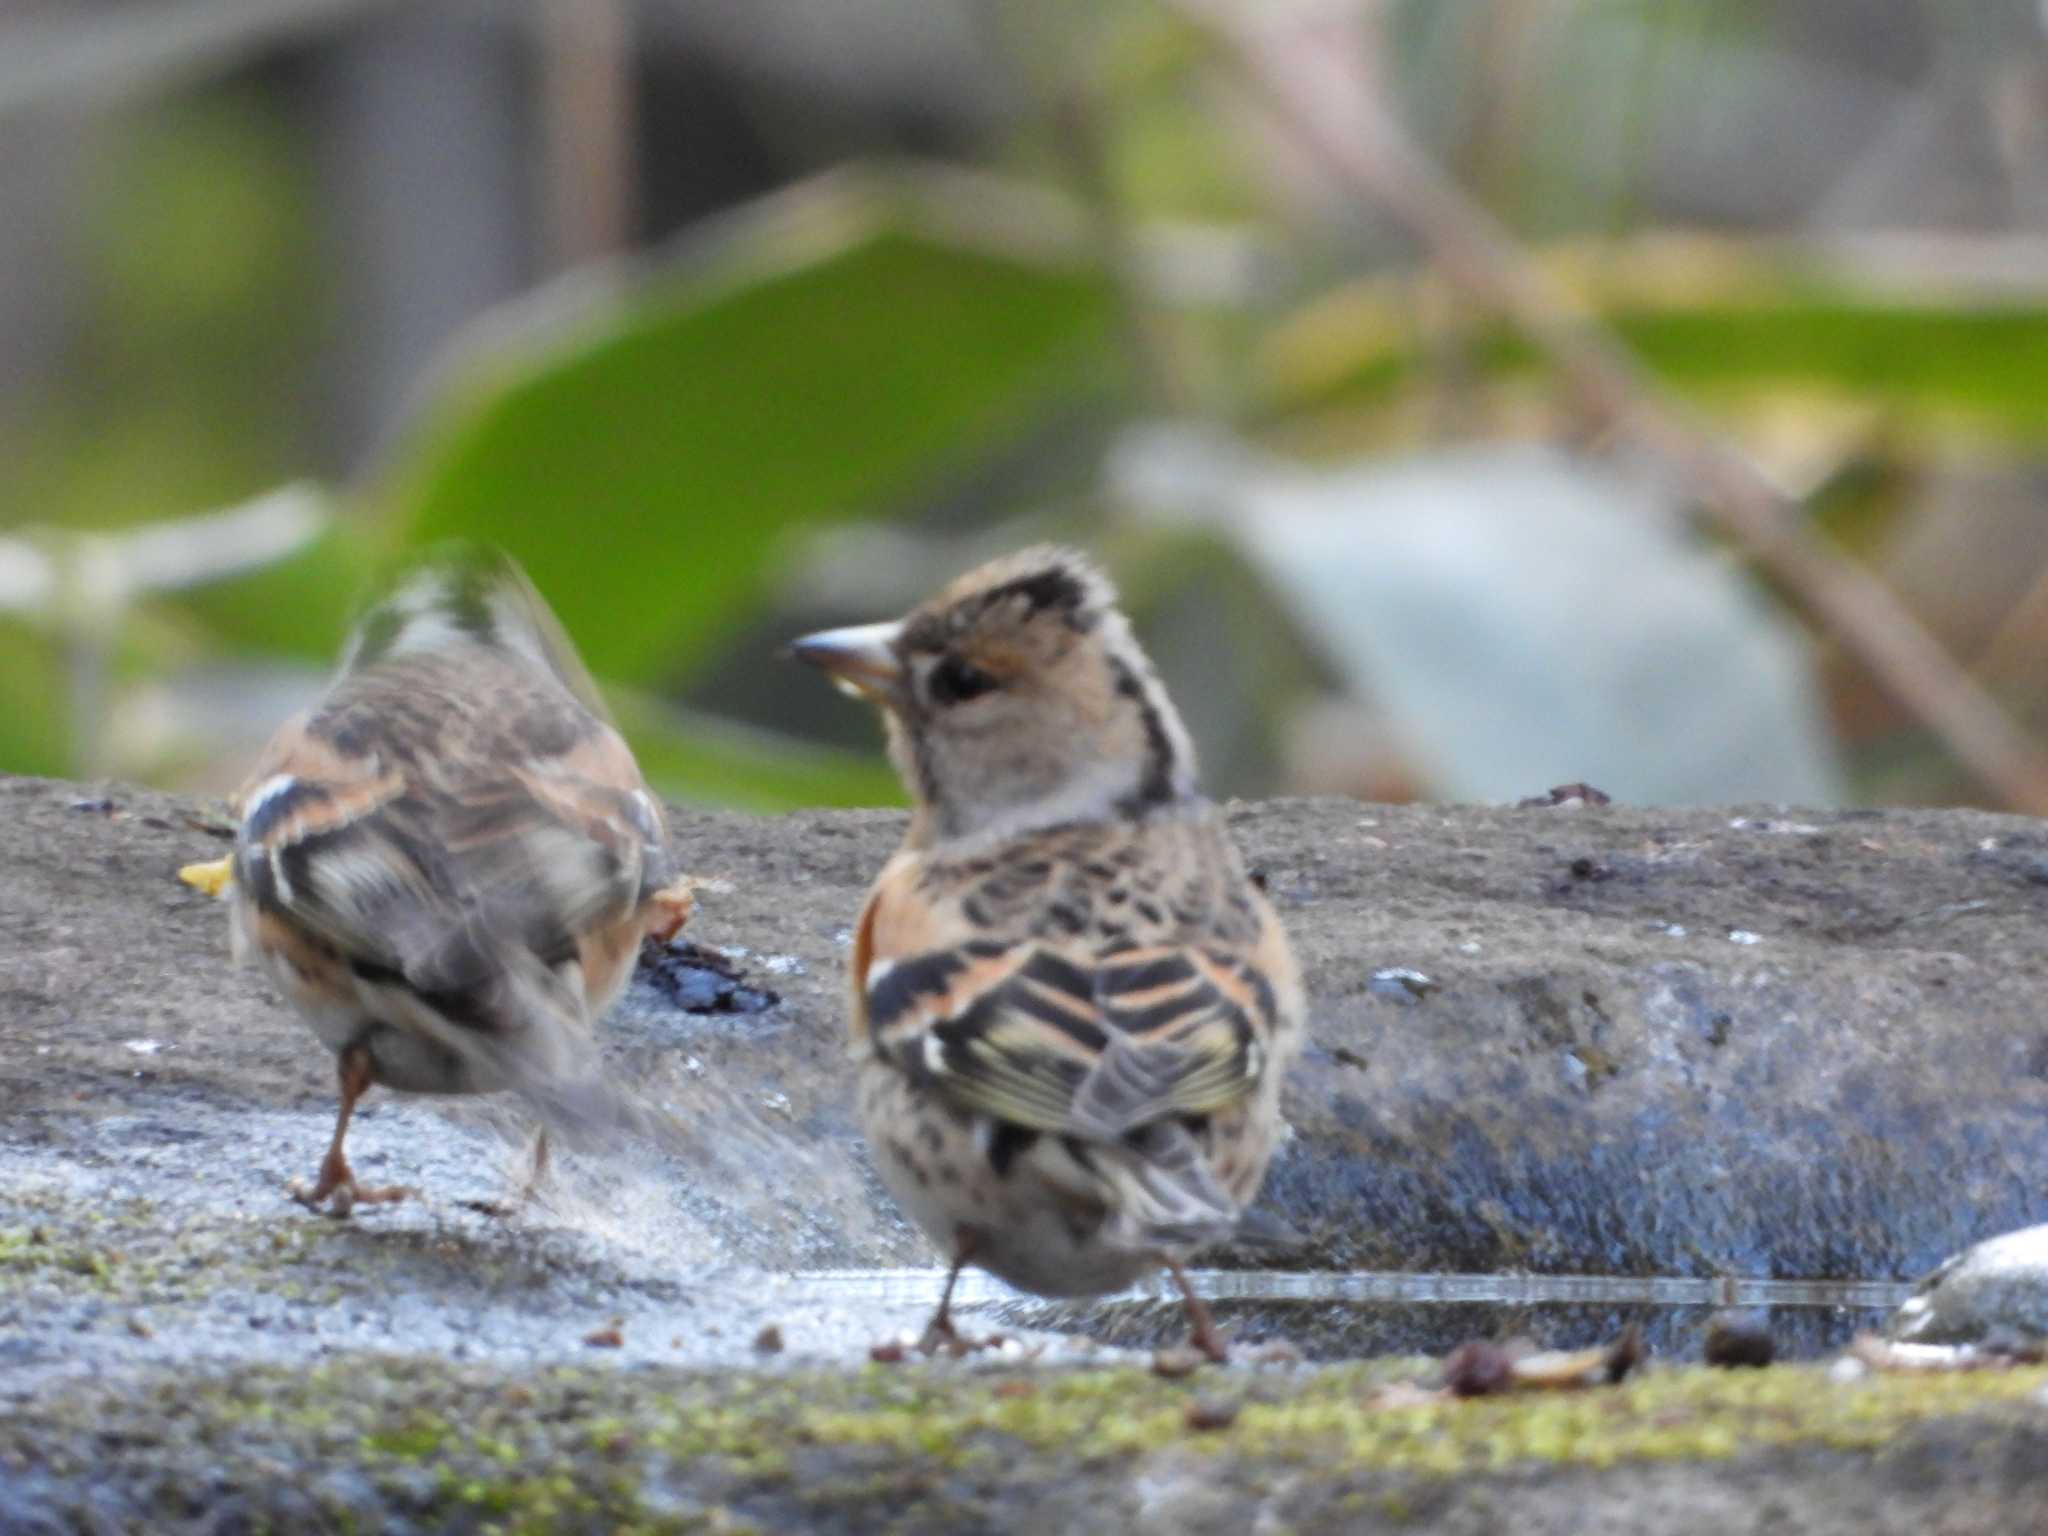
(1981, 363)
(701, 759)
(33, 721)
(1928, 364)
(645, 462)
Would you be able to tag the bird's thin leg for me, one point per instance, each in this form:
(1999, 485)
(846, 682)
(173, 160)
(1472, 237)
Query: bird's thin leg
(353, 1072)
(536, 1173)
(1206, 1336)
(940, 1332)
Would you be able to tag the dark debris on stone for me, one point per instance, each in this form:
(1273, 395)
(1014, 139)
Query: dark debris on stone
(1737, 1339)
(700, 980)
(2023, 856)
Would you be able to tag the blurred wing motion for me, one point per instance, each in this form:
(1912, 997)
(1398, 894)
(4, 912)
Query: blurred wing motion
(457, 836)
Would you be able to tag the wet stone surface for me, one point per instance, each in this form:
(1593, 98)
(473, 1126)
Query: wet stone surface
(1344, 1330)
(1740, 1043)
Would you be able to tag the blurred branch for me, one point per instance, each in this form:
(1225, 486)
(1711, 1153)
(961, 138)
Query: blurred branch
(2021, 637)
(586, 112)
(1080, 133)
(83, 56)
(1361, 144)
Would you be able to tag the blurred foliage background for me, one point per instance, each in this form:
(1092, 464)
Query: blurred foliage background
(734, 320)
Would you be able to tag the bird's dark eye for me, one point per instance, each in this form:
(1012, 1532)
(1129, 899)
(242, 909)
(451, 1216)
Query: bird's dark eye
(954, 681)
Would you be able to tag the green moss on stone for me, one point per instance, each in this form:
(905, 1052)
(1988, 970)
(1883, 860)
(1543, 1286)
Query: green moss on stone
(673, 1451)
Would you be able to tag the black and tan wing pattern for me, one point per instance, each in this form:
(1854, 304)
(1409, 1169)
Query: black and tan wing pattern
(1111, 986)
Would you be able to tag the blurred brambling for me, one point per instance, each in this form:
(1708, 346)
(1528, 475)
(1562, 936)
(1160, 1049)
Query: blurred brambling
(1072, 1010)
(449, 862)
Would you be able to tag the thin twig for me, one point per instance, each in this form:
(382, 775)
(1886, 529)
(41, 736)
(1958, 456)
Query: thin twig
(585, 67)
(2009, 655)
(1375, 159)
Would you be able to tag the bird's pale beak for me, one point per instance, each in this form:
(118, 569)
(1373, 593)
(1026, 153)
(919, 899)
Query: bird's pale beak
(860, 659)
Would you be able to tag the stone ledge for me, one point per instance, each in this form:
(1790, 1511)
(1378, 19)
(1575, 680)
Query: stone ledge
(1610, 1041)
(1568, 1040)
(372, 1443)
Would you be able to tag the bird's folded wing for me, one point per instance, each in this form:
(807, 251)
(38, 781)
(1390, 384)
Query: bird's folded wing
(1062, 1041)
(433, 888)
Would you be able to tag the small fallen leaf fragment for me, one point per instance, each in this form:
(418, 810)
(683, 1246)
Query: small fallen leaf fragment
(1479, 1368)
(1206, 1413)
(1562, 1369)
(1181, 1360)
(1406, 1394)
(1572, 1369)
(212, 877)
(1888, 1355)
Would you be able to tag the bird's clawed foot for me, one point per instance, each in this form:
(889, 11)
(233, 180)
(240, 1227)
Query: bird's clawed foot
(336, 1192)
(943, 1336)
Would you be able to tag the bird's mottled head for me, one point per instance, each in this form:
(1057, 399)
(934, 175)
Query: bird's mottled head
(463, 594)
(1017, 698)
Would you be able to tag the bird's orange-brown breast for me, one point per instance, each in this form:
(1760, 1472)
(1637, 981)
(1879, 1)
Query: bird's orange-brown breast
(863, 952)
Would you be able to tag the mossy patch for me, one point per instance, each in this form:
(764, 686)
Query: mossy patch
(130, 1253)
(672, 1451)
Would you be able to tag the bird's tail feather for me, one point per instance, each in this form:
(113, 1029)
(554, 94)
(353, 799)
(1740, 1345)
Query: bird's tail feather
(541, 1046)
(1163, 1193)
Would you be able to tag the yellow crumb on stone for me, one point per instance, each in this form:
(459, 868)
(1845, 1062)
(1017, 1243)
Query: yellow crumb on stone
(212, 876)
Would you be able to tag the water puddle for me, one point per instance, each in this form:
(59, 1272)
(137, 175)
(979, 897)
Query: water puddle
(895, 1286)
(1333, 1315)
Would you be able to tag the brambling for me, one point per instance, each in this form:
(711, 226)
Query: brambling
(1072, 1009)
(449, 862)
